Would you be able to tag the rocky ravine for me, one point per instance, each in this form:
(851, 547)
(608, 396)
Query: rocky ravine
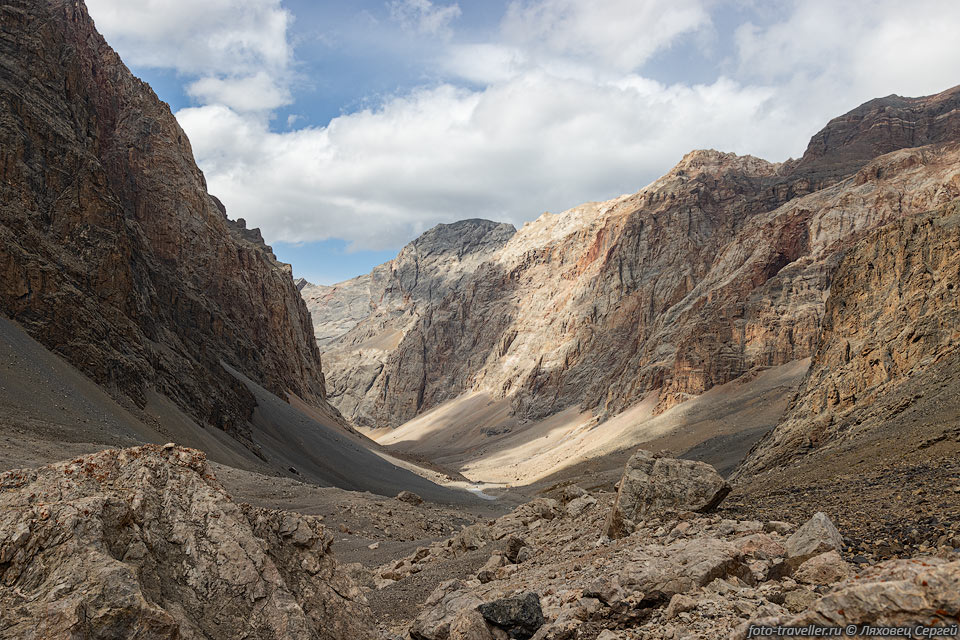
(890, 336)
(112, 253)
(720, 267)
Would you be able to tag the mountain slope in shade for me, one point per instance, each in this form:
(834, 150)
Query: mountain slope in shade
(115, 258)
(719, 268)
(112, 253)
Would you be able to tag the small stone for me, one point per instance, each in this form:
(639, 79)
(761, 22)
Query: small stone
(409, 497)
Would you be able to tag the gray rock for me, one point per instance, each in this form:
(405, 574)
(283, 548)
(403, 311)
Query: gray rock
(469, 625)
(818, 535)
(441, 609)
(826, 568)
(682, 567)
(520, 616)
(652, 485)
(146, 539)
(901, 593)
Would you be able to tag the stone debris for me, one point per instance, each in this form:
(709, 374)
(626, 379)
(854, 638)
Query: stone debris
(146, 538)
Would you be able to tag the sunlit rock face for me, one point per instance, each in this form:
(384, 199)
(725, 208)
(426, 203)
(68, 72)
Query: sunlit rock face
(718, 268)
(112, 253)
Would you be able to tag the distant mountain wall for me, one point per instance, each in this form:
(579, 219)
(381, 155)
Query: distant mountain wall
(718, 268)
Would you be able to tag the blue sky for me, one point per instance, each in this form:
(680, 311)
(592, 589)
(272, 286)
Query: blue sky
(345, 129)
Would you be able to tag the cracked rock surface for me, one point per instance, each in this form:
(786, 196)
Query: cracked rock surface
(145, 543)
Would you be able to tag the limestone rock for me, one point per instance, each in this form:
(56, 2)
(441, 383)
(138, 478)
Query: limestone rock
(902, 593)
(652, 485)
(443, 606)
(818, 535)
(146, 539)
(469, 625)
(682, 567)
(826, 568)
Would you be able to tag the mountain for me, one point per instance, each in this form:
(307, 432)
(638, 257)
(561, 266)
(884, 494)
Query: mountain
(885, 378)
(720, 268)
(150, 315)
(361, 322)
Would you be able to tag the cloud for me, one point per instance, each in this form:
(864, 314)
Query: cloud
(554, 108)
(234, 47)
(424, 17)
(507, 152)
(826, 57)
(257, 92)
(622, 34)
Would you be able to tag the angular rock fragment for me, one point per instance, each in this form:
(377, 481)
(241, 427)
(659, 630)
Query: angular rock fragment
(520, 616)
(653, 485)
(818, 535)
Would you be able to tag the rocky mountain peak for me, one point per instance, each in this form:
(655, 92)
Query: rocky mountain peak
(718, 163)
(462, 237)
(880, 126)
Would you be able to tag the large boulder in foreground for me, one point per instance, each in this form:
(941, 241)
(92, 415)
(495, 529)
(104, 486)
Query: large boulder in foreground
(653, 485)
(145, 543)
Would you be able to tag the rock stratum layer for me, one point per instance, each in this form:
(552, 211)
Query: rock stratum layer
(112, 253)
(145, 543)
(720, 267)
(888, 347)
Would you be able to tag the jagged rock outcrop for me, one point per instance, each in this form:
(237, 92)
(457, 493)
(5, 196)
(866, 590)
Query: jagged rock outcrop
(144, 542)
(112, 253)
(360, 322)
(892, 318)
(653, 484)
(718, 268)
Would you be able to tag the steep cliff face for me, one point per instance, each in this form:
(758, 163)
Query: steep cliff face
(112, 253)
(361, 322)
(720, 267)
(889, 345)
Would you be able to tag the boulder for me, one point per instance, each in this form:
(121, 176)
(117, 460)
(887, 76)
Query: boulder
(409, 497)
(682, 567)
(652, 485)
(441, 609)
(469, 625)
(520, 616)
(817, 535)
(826, 568)
(897, 593)
(145, 542)
(472, 537)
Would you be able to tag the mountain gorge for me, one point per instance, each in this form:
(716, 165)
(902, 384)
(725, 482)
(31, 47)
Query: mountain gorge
(114, 257)
(721, 268)
(726, 402)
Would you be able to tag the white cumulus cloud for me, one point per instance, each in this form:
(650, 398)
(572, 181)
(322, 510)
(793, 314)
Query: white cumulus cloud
(555, 107)
(235, 46)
